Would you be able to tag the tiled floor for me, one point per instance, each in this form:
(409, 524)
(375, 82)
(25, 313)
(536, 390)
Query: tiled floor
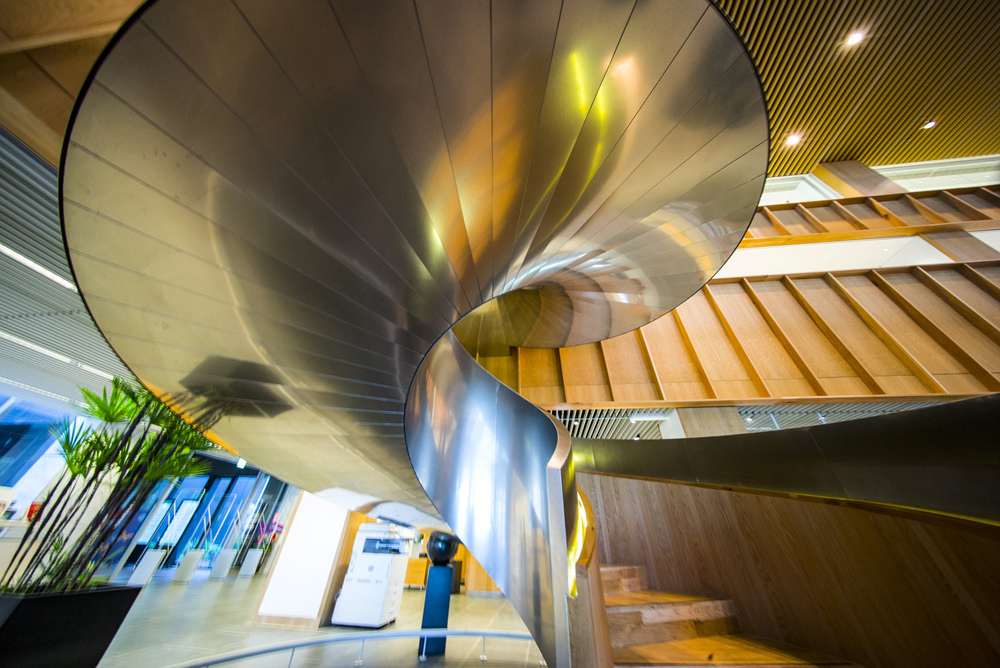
(172, 623)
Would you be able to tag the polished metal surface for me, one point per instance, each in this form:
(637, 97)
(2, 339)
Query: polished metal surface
(498, 469)
(274, 211)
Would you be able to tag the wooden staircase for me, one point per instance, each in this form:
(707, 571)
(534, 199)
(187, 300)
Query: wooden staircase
(653, 628)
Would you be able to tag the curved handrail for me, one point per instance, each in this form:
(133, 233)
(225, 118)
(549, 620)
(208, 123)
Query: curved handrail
(940, 459)
(226, 657)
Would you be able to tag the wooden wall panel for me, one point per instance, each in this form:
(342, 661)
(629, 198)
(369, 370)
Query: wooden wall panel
(943, 217)
(888, 370)
(908, 339)
(961, 246)
(711, 421)
(991, 273)
(793, 222)
(880, 589)
(69, 63)
(585, 374)
(713, 347)
(628, 369)
(833, 371)
(539, 376)
(768, 355)
(30, 18)
(981, 200)
(503, 367)
(964, 333)
(862, 212)
(673, 361)
(843, 336)
(35, 90)
(832, 220)
(974, 297)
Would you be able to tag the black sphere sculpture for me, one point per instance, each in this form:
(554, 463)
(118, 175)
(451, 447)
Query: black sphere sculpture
(441, 547)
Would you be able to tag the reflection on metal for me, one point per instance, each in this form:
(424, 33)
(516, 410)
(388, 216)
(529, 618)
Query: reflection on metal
(498, 469)
(324, 188)
(941, 459)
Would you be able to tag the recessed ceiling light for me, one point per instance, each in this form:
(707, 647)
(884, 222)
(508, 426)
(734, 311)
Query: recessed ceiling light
(855, 38)
(793, 139)
(928, 125)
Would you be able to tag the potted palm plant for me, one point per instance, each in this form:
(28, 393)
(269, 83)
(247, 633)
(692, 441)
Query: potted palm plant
(53, 610)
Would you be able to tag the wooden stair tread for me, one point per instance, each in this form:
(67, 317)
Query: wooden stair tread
(620, 578)
(648, 597)
(729, 650)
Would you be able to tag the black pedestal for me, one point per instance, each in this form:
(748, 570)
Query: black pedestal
(437, 601)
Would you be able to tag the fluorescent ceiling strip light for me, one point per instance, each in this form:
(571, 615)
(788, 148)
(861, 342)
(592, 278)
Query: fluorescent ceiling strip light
(54, 355)
(53, 395)
(647, 417)
(37, 268)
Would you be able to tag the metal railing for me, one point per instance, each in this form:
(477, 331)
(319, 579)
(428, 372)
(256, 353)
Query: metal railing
(367, 636)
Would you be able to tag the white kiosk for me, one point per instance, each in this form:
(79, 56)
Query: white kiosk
(373, 586)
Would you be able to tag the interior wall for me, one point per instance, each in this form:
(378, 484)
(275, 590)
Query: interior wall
(878, 589)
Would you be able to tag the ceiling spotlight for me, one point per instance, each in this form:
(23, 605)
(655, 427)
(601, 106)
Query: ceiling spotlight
(928, 125)
(636, 437)
(576, 423)
(793, 139)
(855, 38)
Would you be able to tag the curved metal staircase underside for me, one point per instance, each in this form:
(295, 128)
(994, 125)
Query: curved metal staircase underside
(277, 211)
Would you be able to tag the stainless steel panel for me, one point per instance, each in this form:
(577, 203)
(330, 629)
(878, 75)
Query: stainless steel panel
(323, 189)
(483, 453)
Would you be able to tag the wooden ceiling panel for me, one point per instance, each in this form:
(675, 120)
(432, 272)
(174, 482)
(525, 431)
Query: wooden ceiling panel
(36, 90)
(68, 64)
(920, 60)
(24, 19)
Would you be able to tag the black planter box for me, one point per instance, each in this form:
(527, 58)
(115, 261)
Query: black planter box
(61, 630)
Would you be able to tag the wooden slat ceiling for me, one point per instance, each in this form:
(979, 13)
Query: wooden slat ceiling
(921, 60)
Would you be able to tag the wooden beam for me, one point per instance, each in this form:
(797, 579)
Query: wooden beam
(773, 219)
(988, 194)
(39, 41)
(607, 374)
(29, 128)
(779, 332)
(980, 281)
(811, 218)
(872, 233)
(925, 211)
(966, 208)
(974, 366)
(741, 351)
(959, 304)
(886, 213)
(644, 349)
(892, 343)
(847, 215)
(855, 363)
(686, 338)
